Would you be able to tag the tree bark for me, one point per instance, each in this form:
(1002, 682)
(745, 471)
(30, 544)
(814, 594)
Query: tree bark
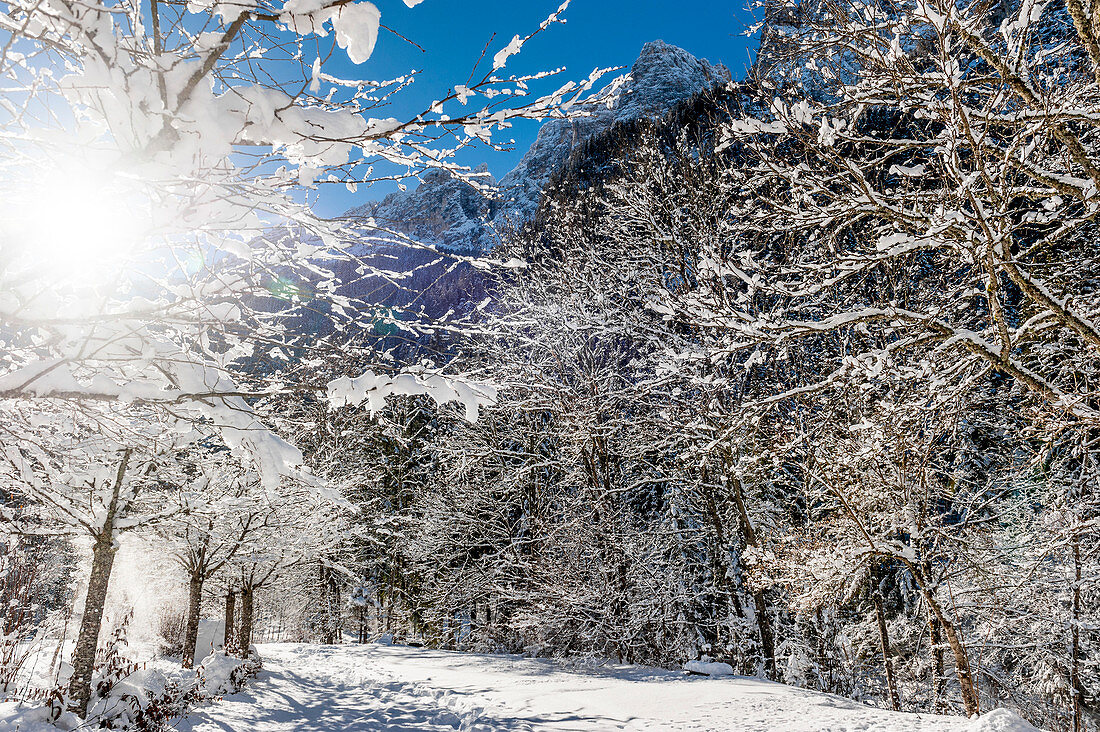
(80, 686)
(229, 640)
(326, 604)
(245, 638)
(194, 605)
(1077, 689)
(103, 559)
(720, 565)
(887, 656)
(767, 638)
(939, 674)
(332, 631)
(967, 683)
(337, 619)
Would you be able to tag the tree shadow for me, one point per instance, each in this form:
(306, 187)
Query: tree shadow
(281, 700)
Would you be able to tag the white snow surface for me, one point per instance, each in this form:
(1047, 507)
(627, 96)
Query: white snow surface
(310, 688)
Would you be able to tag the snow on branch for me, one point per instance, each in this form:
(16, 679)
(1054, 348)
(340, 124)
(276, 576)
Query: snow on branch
(375, 389)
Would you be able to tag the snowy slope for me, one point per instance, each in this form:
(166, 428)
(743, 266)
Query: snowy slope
(310, 688)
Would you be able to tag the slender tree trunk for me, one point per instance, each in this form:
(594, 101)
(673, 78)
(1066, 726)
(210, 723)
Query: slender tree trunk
(967, 683)
(887, 656)
(337, 620)
(194, 606)
(939, 673)
(158, 48)
(720, 567)
(1076, 688)
(229, 639)
(103, 559)
(326, 604)
(332, 632)
(767, 638)
(245, 642)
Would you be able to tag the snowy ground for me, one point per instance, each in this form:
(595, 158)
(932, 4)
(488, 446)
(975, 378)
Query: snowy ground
(308, 688)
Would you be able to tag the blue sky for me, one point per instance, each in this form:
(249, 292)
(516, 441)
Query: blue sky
(598, 33)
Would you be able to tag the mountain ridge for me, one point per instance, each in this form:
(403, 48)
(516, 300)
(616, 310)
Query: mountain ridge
(450, 214)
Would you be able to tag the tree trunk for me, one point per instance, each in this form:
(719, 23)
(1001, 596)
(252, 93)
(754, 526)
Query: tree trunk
(767, 638)
(337, 620)
(229, 640)
(939, 674)
(967, 683)
(332, 630)
(326, 605)
(194, 605)
(80, 686)
(245, 641)
(719, 560)
(1077, 689)
(887, 656)
(103, 559)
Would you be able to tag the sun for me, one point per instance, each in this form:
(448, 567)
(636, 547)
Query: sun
(75, 220)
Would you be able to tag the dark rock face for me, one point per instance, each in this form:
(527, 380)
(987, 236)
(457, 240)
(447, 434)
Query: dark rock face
(662, 76)
(442, 211)
(521, 188)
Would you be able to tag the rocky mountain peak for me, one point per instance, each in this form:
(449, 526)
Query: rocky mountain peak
(662, 75)
(450, 214)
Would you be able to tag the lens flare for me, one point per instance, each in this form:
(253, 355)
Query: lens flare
(76, 221)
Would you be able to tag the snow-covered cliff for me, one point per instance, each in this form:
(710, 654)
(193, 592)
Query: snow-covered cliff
(442, 210)
(662, 75)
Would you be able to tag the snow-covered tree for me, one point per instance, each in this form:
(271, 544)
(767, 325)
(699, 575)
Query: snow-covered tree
(940, 191)
(222, 512)
(93, 483)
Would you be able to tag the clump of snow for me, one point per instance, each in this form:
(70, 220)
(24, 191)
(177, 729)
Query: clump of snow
(501, 56)
(16, 717)
(516, 44)
(1001, 720)
(356, 27)
(709, 668)
(221, 674)
(376, 388)
(356, 24)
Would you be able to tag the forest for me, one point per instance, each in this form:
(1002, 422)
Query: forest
(797, 376)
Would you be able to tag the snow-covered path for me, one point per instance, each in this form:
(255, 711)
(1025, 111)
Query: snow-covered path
(361, 688)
